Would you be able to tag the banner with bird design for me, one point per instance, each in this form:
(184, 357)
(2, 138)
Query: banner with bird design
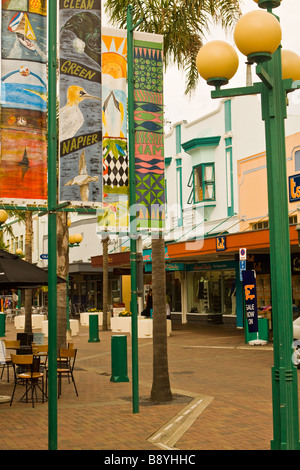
(23, 167)
(113, 213)
(80, 106)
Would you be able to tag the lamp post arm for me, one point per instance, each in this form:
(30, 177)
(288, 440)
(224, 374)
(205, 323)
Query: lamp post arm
(255, 89)
(264, 76)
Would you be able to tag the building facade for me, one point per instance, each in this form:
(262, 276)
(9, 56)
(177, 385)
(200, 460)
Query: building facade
(216, 203)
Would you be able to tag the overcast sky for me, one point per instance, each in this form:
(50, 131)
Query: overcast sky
(179, 106)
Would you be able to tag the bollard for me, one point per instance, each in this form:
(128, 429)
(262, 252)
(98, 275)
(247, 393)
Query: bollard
(119, 359)
(2, 324)
(94, 329)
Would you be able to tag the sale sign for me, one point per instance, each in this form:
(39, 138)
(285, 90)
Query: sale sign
(249, 285)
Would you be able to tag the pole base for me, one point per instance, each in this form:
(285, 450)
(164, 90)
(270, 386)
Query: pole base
(258, 342)
(119, 379)
(94, 340)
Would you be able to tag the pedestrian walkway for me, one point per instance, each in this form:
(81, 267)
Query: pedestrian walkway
(222, 398)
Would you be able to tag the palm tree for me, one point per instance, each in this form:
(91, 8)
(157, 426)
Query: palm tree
(105, 281)
(26, 218)
(62, 271)
(28, 258)
(183, 23)
(161, 390)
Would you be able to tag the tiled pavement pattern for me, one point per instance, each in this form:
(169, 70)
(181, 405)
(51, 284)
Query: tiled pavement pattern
(222, 398)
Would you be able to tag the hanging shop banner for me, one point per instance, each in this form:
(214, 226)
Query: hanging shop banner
(23, 164)
(80, 128)
(249, 285)
(112, 214)
(149, 130)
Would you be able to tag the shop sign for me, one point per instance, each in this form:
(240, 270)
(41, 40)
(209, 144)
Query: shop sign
(295, 263)
(147, 255)
(220, 243)
(294, 188)
(249, 285)
(169, 267)
(230, 264)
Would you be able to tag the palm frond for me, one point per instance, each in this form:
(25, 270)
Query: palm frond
(183, 23)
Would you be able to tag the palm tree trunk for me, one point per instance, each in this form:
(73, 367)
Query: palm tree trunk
(62, 271)
(161, 390)
(105, 281)
(28, 257)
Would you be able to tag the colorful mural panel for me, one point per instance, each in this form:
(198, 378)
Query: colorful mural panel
(80, 115)
(149, 141)
(23, 165)
(113, 214)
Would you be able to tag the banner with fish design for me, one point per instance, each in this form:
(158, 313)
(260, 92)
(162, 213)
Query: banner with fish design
(23, 165)
(80, 106)
(149, 131)
(113, 213)
(149, 141)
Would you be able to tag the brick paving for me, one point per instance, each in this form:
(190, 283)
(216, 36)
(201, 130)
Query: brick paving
(204, 361)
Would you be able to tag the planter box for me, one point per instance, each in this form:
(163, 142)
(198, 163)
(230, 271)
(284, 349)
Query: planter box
(35, 319)
(74, 326)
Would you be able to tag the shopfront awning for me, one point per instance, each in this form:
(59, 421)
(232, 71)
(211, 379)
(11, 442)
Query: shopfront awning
(255, 241)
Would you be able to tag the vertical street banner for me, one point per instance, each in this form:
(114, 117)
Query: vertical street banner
(113, 213)
(249, 285)
(149, 130)
(23, 163)
(80, 104)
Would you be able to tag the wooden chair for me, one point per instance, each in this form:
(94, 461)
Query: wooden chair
(65, 367)
(8, 363)
(41, 351)
(24, 373)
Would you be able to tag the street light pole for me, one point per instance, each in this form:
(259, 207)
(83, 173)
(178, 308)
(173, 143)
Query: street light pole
(132, 216)
(273, 90)
(284, 374)
(52, 203)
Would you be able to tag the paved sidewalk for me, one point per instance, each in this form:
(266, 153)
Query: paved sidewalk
(221, 388)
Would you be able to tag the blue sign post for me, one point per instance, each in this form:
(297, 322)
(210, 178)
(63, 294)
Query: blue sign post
(242, 268)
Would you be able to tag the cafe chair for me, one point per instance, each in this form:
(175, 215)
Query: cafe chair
(65, 367)
(5, 361)
(41, 351)
(27, 372)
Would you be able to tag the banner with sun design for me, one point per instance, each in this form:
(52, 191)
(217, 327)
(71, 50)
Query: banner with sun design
(113, 214)
(23, 165)
(149, 130)
(80, 113)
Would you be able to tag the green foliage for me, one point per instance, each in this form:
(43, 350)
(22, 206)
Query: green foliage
(183, 23)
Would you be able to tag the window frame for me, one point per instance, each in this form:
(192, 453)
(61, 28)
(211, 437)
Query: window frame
(205, 183)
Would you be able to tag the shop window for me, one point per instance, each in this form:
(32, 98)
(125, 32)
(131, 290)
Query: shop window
(260, 225)
(204, 182)
(297, 160)
(265, 224)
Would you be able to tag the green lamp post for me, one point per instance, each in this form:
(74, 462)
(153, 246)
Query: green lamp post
(258, 35)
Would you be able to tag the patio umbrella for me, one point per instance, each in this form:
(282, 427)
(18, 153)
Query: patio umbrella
(16, 273)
